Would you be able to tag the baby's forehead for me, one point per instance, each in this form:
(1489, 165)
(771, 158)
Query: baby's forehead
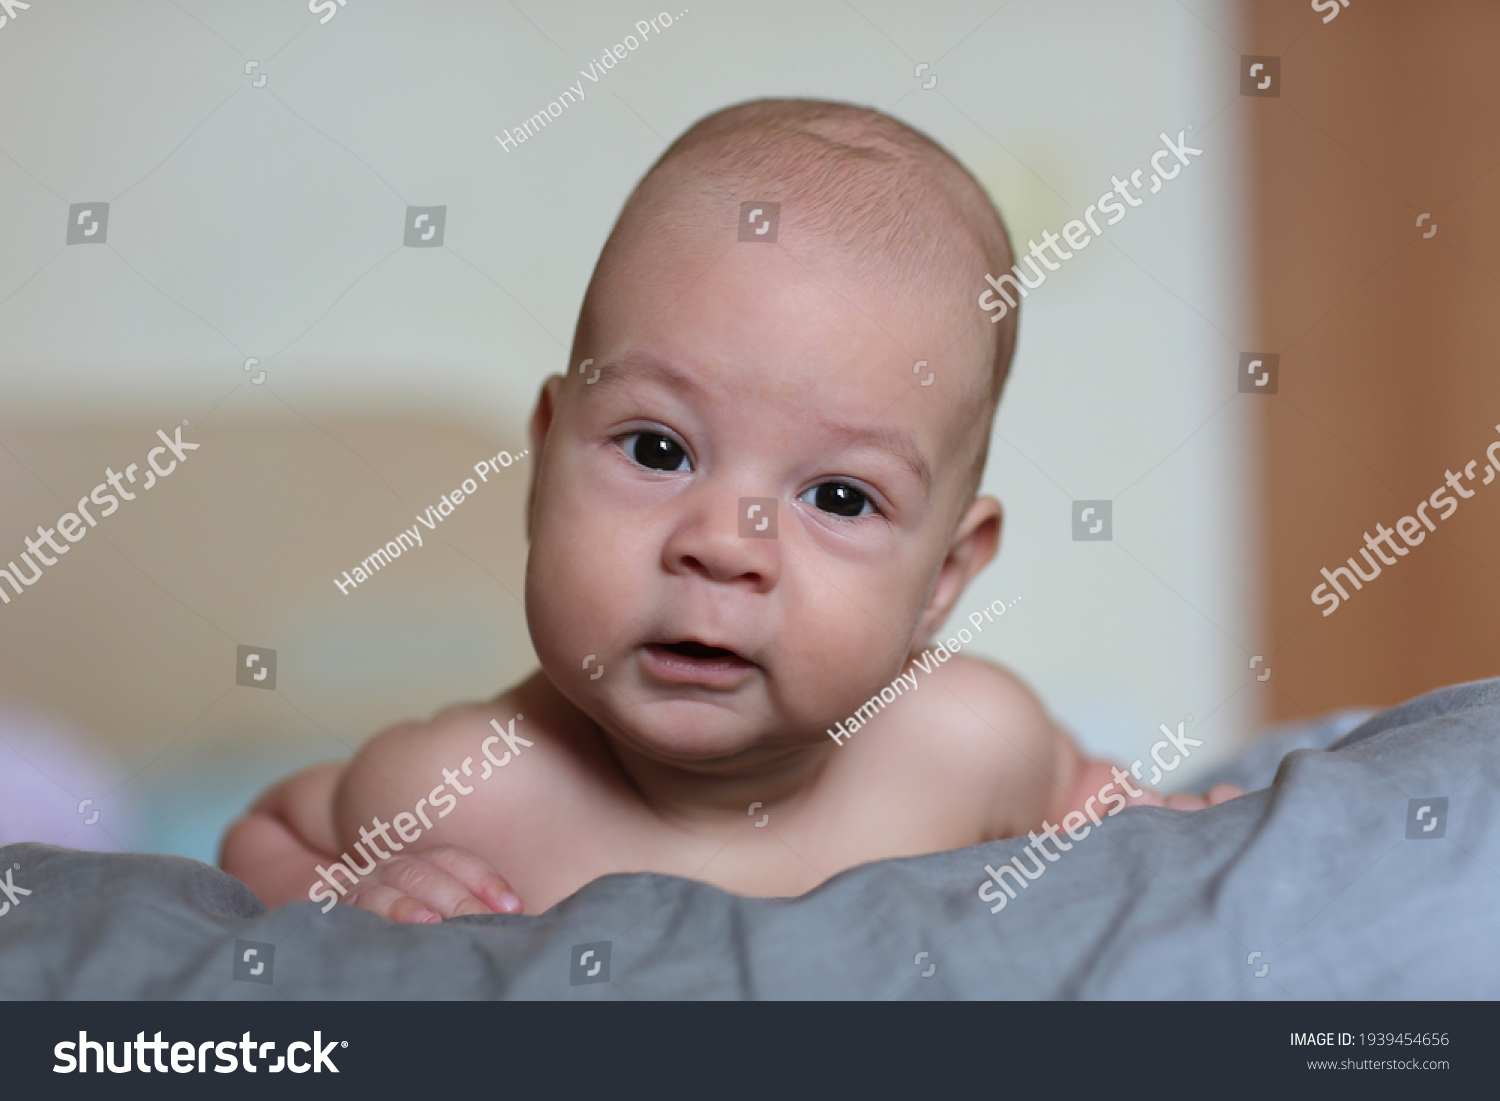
(808, 289)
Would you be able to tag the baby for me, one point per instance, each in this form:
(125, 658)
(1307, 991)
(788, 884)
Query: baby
(748, 512)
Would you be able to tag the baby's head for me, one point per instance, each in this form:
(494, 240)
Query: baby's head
(714, 363)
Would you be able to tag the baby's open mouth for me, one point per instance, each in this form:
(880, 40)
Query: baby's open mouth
(691, 662)
(697, 650)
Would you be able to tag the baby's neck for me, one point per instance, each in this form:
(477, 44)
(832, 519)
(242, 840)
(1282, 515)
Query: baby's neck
(711, 793)
(706, 792)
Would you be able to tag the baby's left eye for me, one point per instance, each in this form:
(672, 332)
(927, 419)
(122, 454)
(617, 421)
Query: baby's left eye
(655, 451)
(839, 498)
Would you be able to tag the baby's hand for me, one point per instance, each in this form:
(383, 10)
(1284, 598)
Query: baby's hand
(1215, 795)
(437, 883)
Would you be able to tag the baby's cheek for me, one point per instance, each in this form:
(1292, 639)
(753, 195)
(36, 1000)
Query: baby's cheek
(563, 601)
(590, 588)
(835, 657)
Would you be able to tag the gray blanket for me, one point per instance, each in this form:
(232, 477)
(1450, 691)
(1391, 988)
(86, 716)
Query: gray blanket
(1367, 869)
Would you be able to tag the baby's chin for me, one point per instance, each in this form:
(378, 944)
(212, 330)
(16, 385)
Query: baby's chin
(688, 732)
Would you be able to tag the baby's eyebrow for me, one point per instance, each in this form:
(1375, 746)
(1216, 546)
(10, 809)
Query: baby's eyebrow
(891, 440)
(637, 366)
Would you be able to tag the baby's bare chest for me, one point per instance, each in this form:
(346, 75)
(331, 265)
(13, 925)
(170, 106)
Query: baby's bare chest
(571, 822)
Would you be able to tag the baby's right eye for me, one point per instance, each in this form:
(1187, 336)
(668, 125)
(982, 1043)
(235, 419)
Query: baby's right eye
(655, 451)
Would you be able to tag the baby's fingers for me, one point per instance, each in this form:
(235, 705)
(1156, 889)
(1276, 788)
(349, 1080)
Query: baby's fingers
(477, 876)
(1219, 793)
(392, 904)
(1183, 801)
(423, 879)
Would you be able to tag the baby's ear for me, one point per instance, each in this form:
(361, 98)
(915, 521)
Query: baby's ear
(974, 543)
(541, 424)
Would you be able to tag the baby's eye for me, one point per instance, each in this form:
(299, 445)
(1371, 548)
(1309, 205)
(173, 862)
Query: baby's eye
(839, 498)
(655, 451)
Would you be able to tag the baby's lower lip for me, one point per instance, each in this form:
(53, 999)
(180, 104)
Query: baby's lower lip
(720, 670)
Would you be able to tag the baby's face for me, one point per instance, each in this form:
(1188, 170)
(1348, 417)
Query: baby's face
(725, 374)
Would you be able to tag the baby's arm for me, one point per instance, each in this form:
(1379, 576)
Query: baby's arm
(420, 881)
(1096, 781)
(993, 726)
(291, 830)
(275, 849)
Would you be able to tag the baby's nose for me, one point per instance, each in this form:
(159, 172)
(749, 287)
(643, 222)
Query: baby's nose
(727, 540)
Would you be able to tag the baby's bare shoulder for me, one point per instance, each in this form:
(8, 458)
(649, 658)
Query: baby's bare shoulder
(983, 732)
(469, 753)
(979, 709)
